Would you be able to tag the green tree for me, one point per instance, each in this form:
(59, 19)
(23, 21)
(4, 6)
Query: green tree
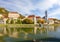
(41, 21)
(19, 21)
(3, 11)
(7, 21)
(27, 21)
(21, 16)
(12, 21)
(38, 21)
(54, 20)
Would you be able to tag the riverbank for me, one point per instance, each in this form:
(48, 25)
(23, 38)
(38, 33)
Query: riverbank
(17, 25)
(23, 25)
(54, 24)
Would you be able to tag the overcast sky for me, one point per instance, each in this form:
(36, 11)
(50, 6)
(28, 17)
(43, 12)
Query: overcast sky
(36, 7)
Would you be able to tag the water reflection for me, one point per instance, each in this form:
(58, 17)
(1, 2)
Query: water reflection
(20, 34)
(53, 28)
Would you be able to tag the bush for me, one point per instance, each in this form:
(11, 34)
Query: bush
(12, 21)
(19, 21)
(7, 21)
(27, 21)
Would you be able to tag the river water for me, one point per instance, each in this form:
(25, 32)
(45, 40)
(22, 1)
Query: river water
(46, 34)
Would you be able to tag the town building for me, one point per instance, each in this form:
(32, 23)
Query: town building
(5, 17)
(13, 15)
(50, 20)
(38, 17)
(31, 17)
(34, 18)
(1, 19)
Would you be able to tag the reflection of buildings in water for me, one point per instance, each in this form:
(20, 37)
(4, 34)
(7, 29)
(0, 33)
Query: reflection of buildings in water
(10, 33)
(2, 39)
(1, 34)
(43, 30)
(51, 28)
(14, 35)
(35, 30)
(5, 30)
(1, 30)
(26, 35)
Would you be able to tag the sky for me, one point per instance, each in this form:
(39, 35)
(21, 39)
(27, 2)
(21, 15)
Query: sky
(33, 7)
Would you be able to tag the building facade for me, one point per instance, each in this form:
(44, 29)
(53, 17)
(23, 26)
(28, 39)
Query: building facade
(31, 17)
(50, 21)
(13, 15)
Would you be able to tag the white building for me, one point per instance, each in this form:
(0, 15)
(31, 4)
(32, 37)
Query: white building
(33, 18)
(13, 15)
(51, 21)
(1, 16)
(1, 19)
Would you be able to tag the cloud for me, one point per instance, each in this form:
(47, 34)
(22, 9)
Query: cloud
(45, 5)
(55, 13)
(33, 6)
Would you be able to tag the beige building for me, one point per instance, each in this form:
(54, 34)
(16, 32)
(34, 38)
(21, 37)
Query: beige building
(34, 18)
(38, 18)
(50, 20)
(3, 18)
(13, 15)
(31, 17)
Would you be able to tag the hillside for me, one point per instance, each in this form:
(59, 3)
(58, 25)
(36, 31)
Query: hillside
(3, 11)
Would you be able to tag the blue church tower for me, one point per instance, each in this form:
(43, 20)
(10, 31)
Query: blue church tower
(46, 16)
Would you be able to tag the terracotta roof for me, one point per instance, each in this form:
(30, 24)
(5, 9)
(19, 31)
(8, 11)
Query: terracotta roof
(13, 12)
(50, 18)
(31, 16)
(38, 17)
(5, 16)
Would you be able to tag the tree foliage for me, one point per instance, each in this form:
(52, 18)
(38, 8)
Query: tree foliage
(12, 21)
(38, 21)
(7, 21)
(19, 21)
(21, 16)
(3, 11)
(27, 21)
(41, 21)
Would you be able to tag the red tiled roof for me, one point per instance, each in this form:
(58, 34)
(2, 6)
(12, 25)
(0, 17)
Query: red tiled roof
(38, 17)
(31, 16)
(5, 16)
(13, 12)
(50, 18)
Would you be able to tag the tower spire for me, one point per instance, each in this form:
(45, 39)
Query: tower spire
(46, 15)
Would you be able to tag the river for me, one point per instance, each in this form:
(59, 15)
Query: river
(46, 34)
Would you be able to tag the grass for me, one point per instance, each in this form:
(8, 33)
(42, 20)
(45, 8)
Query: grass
(53, 24)
(22, 25)
(17, 25)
